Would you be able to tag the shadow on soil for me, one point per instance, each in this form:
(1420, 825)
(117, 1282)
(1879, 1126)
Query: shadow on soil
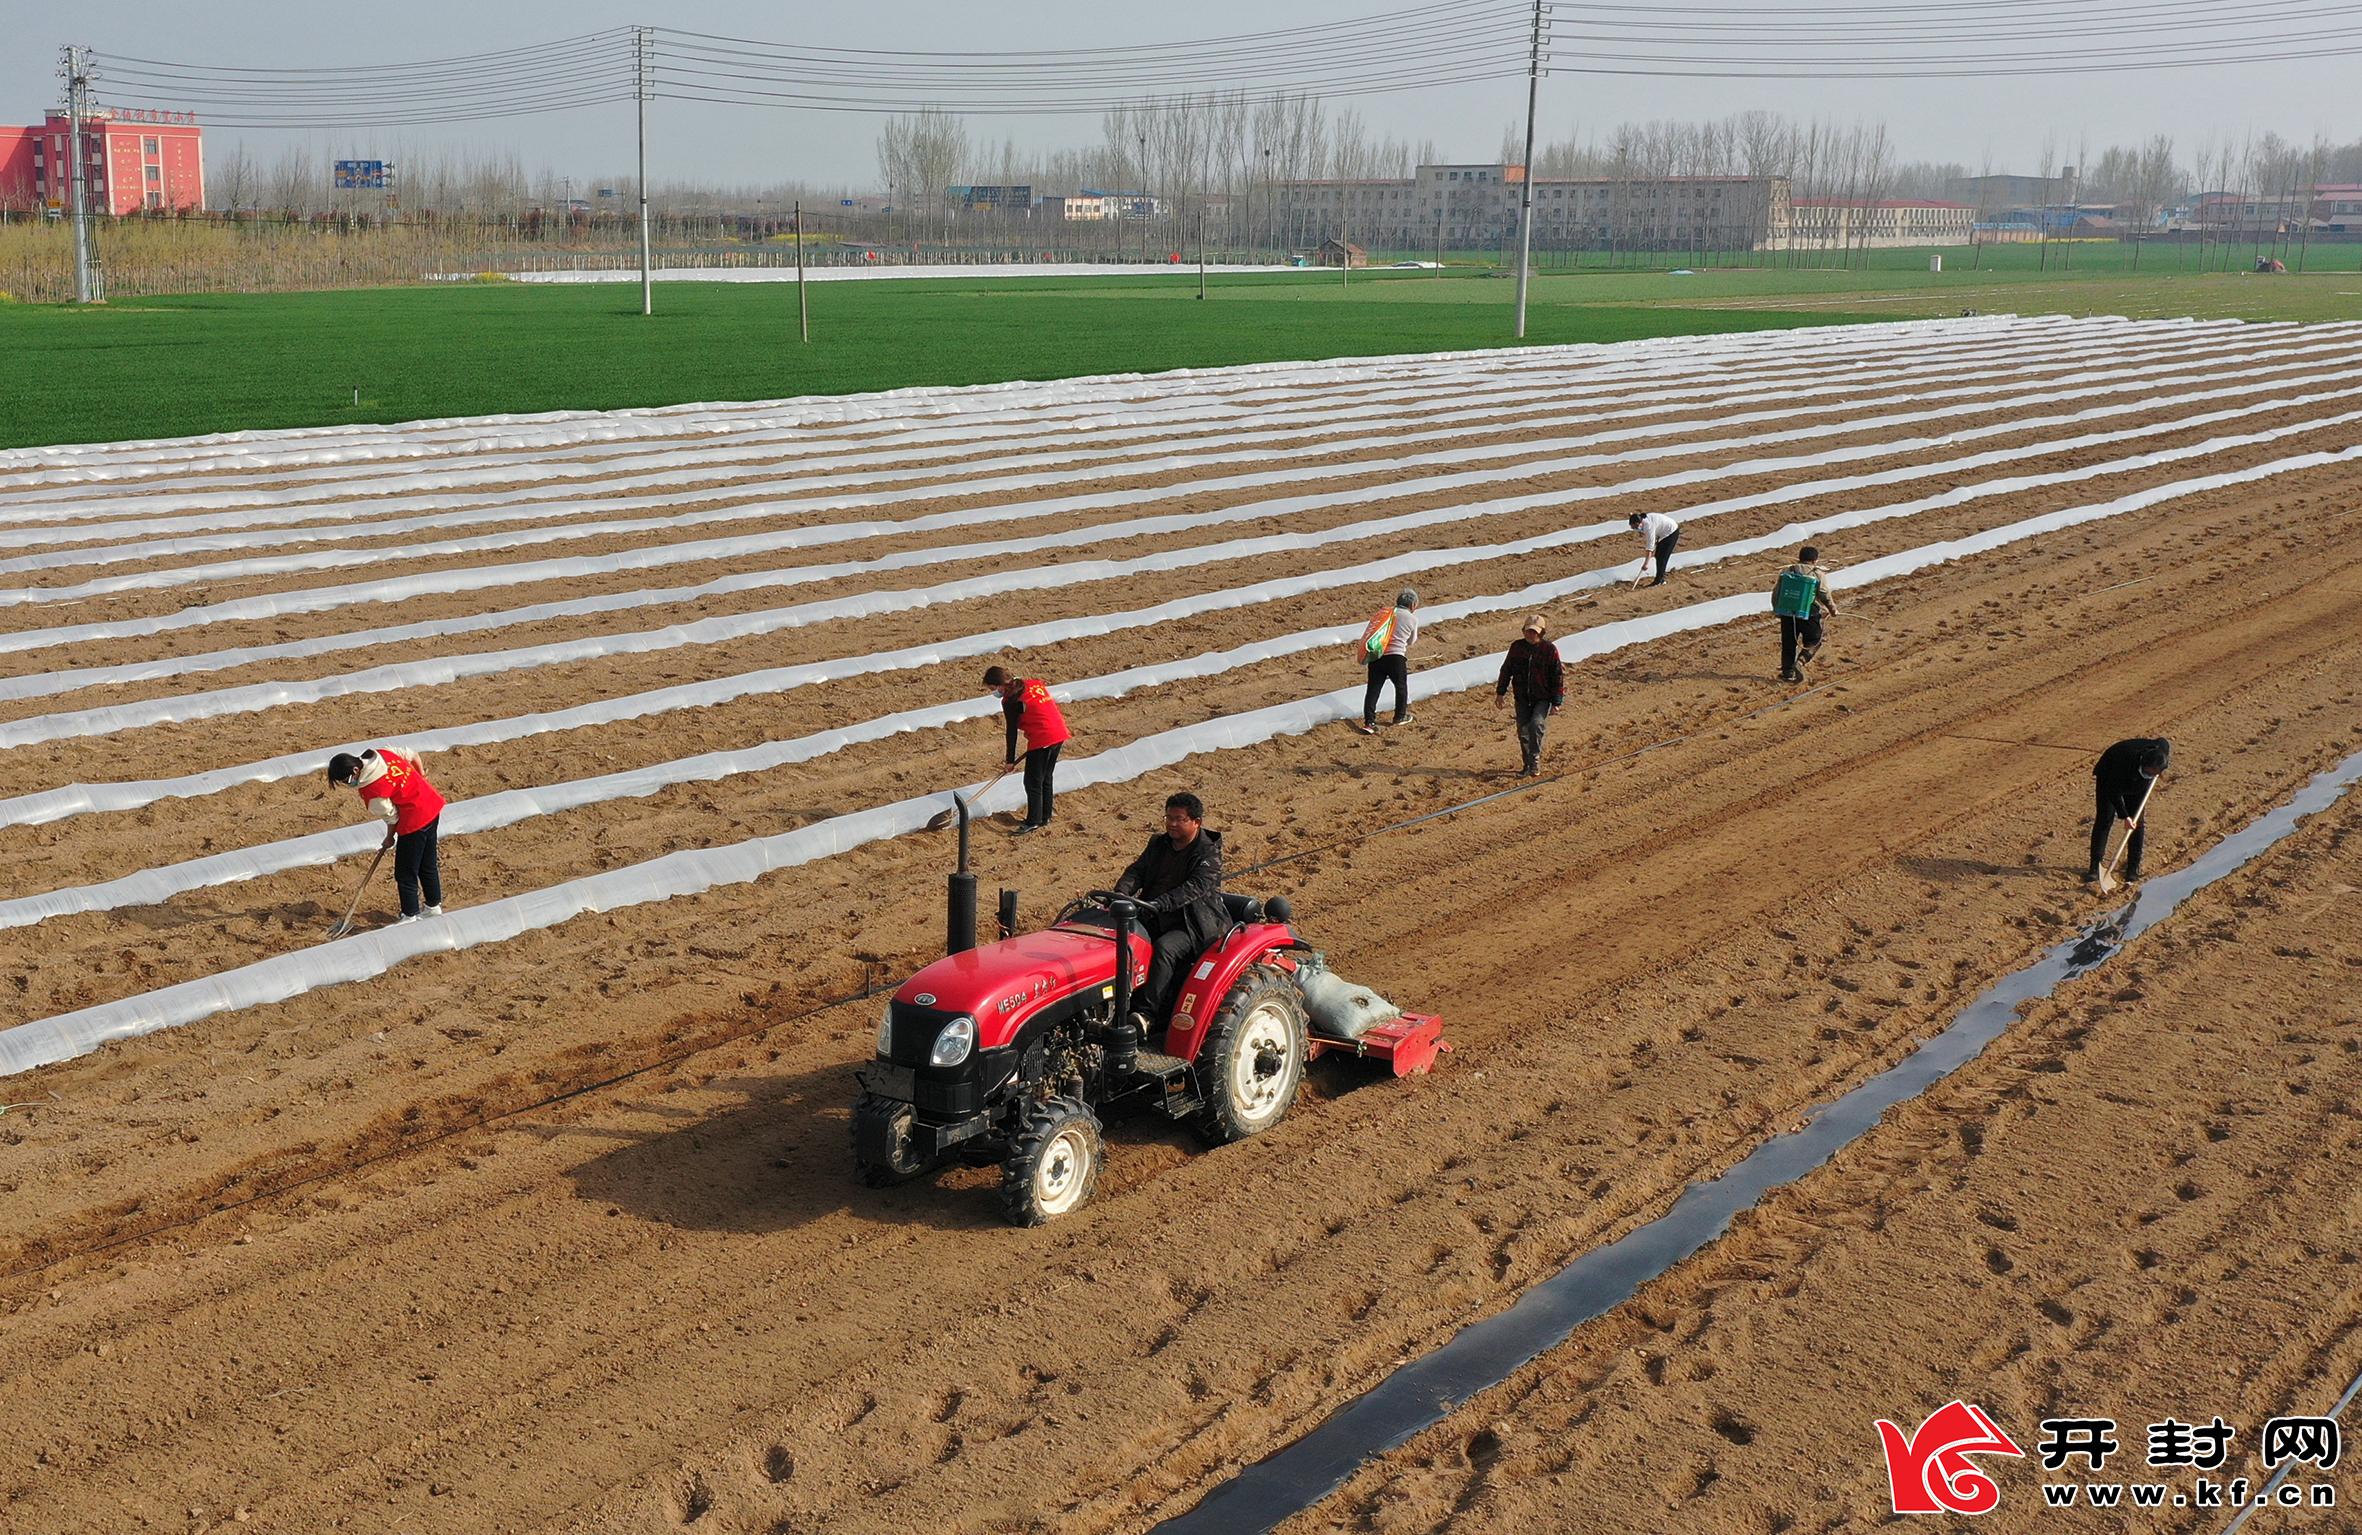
(783, 1158)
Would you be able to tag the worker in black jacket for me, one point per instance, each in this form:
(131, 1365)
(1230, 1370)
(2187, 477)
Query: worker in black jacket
(2125, 776)
(1534, 672)
(1179, 878)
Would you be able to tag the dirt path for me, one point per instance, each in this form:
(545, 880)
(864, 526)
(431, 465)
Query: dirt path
(660, 1304)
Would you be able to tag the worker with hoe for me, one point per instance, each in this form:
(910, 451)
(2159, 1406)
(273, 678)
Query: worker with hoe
(1026, 705)
(1659, 536)
(1801, 598)
(1386, 644)
(2125, 776)
(1533, 671)
(394, 788)
(1178, 877)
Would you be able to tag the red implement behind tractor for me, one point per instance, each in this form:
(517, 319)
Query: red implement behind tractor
(1013, 1052)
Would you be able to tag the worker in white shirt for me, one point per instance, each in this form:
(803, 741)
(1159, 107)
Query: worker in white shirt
(1658, 536)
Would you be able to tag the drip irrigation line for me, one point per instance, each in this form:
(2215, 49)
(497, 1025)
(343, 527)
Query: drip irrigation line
(2088, 751)
(737, 1036)
(2281, 1475)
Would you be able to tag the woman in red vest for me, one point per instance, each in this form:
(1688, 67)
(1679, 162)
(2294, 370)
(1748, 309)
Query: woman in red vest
(394, 788)
(1026, 705)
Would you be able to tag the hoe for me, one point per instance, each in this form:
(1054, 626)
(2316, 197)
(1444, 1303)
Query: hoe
(1013, 1053)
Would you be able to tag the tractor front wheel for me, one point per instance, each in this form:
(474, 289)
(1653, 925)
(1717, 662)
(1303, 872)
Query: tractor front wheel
(1251, 1062)
(1054, 1163)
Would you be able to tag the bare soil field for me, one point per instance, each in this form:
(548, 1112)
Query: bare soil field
(557, 1233)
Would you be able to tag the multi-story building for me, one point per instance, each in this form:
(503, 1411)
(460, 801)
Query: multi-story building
(2014, 191)
(1460, 206)
(2337, 205)
(130, 160)
(1089, 206)
(1838, 222)
(2228, 211)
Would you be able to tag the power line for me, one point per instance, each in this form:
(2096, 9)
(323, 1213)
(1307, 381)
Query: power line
(535, 49)
(1290, 37)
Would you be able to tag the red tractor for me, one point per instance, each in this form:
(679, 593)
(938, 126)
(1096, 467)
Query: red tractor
(1013, 1052)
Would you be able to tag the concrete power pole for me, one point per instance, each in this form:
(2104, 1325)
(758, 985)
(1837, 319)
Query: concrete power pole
(1525, 200)
(640, 41)
(76, 69)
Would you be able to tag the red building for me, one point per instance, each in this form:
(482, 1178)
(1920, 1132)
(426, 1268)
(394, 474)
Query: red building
(131, 160)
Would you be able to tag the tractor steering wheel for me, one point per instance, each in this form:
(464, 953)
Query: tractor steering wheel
(1106, 899)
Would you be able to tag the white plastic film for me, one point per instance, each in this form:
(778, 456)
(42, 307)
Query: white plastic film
(693, 871)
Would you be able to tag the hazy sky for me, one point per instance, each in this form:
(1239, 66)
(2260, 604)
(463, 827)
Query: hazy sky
(1972, 121)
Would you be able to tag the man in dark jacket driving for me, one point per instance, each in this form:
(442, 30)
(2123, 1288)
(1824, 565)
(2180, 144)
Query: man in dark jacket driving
(1179, 878)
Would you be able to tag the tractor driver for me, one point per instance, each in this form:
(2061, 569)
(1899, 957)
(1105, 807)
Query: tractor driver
(1179, 878)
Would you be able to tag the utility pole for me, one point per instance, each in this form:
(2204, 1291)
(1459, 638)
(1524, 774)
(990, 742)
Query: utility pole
(76, 69)
(1270, 219)
(803, 304)
(1201, 248)
(640, 41)
(1525, 201)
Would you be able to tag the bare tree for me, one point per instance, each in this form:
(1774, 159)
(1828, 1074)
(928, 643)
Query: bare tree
(234, 183)
(292, 183)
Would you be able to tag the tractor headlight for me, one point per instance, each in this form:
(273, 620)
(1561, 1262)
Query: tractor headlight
(885, 1030)
(953, 1043)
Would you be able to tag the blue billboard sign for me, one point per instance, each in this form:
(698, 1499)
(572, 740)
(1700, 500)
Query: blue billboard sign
(360, 173)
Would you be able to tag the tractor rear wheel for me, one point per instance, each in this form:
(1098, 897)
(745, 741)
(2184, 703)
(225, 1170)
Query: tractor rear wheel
(1053, 1165)
(1251, 1062)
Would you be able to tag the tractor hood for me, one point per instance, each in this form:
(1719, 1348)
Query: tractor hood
(1001, 984)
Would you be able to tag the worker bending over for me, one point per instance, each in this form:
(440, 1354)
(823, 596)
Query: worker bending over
(394, 788)
(2125, 777)
(1026, 705)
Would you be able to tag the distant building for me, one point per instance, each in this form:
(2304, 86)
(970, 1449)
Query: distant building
(1340, 253)
(2009, 191)
(2337, 206)
(1016, 198)
(1837, 221)
(1092, 206)
(131, 160)
(2235, 211)
(1461, 206)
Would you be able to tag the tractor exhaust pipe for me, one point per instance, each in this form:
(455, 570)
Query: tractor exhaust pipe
(959, 926)
(1123, 1038)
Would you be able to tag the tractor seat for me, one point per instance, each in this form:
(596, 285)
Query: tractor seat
(1247, 908)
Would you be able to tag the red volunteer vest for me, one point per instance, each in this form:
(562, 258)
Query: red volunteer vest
(1040, 720)
(415, 801)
